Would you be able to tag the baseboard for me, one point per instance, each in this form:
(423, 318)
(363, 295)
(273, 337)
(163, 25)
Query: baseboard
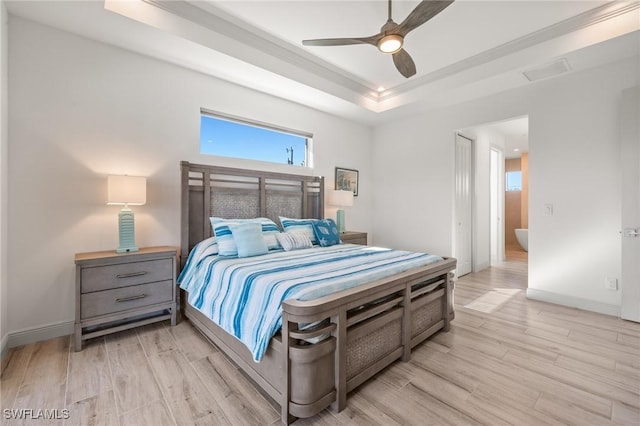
(24, 337)
(3, 345)
(482, 266)
(574, 302)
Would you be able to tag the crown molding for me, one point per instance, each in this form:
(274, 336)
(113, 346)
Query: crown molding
(231, 28)
(252, 45)
(584, 20)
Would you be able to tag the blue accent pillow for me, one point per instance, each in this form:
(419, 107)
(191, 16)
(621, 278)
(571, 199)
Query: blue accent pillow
(326, 232)
(249, 240)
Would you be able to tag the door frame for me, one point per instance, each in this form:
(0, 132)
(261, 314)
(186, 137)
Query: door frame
(497, 226)
(630, 205)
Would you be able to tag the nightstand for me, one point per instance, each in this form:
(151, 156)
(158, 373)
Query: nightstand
(352, 237)
(117, 291)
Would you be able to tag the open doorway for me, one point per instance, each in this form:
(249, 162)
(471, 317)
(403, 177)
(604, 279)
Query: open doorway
(516, 207)
(515, 187)
(501, 191)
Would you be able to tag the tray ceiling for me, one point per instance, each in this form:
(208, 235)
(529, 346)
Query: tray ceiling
(473, 48)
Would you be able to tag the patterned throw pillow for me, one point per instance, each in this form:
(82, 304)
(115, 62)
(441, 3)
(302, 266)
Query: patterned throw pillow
(293, 241)
(326, 232)
(248, 238)
(224, 237)
(299, 225)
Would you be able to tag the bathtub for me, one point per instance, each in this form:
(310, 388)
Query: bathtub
(522, 235)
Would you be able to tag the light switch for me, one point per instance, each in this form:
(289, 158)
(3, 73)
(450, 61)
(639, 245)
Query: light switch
(611, 283)
(548, 209)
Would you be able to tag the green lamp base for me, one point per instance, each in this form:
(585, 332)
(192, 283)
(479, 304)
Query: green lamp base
(340, 221)
(126, 230)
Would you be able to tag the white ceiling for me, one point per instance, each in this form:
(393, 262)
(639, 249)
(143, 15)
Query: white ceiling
(463, 29)
(471, 49)
(514, 132)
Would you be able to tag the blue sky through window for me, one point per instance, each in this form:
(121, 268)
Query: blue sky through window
(514, 181)
(239, 140)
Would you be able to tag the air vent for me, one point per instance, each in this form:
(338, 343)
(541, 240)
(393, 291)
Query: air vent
(549, 70)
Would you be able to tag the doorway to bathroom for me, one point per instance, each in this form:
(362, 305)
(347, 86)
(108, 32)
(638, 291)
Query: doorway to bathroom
(509, 190)
(516, 206)
(501, 191)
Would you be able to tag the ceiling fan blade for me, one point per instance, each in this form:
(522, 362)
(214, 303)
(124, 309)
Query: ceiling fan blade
(343, 41)
(424, 11)
(404, 63)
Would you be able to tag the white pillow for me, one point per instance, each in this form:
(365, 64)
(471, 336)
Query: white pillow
(293, 241)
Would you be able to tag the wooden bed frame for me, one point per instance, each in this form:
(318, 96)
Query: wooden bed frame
(369, 326)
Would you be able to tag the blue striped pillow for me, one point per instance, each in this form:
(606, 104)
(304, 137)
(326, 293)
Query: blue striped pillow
(304, 226)
(227, 245)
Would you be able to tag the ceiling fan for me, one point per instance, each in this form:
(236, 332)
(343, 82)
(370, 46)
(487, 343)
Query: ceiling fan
(391, 36)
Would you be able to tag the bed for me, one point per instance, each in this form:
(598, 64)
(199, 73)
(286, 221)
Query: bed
(357, 331)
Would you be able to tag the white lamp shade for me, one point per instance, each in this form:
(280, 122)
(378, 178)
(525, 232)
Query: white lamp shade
(124, 190)
(340, 198)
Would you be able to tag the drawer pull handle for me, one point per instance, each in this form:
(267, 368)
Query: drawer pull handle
(127, 299)
(132, 274)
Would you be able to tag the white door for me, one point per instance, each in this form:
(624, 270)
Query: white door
(630, 149)
(497, 206)
(463, 205)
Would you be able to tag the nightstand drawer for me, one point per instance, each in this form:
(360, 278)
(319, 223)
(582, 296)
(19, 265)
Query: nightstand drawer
(351, 237)
(361, 241)
(126, 274)
(122, 299)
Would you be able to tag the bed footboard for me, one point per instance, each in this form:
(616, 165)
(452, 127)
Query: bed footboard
(370, 327)
(361, 331)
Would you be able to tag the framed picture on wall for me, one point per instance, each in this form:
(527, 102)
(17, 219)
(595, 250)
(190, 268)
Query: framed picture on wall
(347, 179)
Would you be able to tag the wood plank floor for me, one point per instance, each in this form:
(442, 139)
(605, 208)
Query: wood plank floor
(506, 360)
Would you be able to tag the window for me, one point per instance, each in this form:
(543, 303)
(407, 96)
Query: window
(514, 181)
(239, 138)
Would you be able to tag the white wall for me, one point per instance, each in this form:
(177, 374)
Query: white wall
(4, 143)
(80, 110)
(573, 163)
(413, 207)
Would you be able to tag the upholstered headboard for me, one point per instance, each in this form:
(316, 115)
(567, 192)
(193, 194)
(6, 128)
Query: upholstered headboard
(243, 194)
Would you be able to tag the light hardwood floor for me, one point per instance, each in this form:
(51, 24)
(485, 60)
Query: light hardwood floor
(506, 360)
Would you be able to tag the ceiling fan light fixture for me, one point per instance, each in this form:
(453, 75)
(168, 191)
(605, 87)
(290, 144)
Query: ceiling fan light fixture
(391, 36)
(390, 43)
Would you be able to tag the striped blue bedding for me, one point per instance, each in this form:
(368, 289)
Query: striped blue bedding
(244, 296)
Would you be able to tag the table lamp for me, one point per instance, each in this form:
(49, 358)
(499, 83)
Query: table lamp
(340, 198)
(126, 190)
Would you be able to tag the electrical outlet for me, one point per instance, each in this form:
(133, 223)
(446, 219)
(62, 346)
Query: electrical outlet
(611, 283)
